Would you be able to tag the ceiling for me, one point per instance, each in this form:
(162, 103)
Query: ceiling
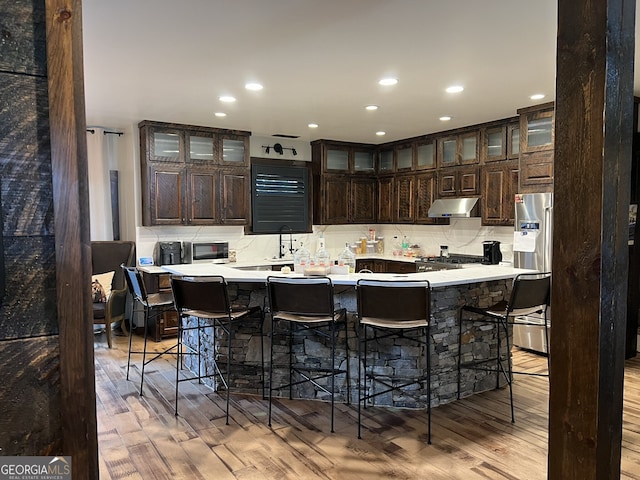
(319, 61)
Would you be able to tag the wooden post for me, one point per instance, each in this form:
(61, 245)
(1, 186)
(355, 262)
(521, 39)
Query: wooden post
(592, 166)
(72, 242)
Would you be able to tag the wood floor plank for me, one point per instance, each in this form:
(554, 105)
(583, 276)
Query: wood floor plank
(473, 439)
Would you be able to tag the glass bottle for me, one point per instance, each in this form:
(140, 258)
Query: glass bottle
(405, 246)
(396, 247)
(346, 257)
(301, 259)
(322, 257)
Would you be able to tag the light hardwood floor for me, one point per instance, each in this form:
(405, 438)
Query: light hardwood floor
(140, 438)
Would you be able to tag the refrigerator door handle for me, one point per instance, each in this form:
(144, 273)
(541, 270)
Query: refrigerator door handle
(548, 240)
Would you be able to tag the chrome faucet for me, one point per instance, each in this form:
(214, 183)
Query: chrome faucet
(282, 249)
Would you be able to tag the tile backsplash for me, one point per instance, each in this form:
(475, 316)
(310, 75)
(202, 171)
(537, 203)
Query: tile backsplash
(463, 235)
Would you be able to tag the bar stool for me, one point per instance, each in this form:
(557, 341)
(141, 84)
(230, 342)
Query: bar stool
(207, 300)
(530, 294)
(153, 305)
(396, 307)
(307, 305)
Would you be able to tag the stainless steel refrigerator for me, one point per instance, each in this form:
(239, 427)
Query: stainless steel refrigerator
(532, 247)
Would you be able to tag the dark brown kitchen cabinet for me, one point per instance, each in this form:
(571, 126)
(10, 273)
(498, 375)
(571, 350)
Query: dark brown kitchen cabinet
(537, 172)
(426, 193)
(385, 266)
(459, 149)
(385, 199)
(425, 154)
(493, 143)
(346, 188)
(166, 185)
(375, 266)
(235, 187)
(201, 196)
(348, 199)
(404, 199)
(513, 140)
(344, 157)
(404, 157)
(186, 177)
(459, 181)
(334, 207)
(536, 128)
(363, 200)
(536, 148)
(399, 267)
(499, 185)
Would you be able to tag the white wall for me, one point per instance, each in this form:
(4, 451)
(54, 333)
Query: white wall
(303, 149)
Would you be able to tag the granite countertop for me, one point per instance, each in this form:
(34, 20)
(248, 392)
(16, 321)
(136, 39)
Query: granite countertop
(443, 278)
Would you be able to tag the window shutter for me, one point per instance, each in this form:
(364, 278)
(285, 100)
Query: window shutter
(280, 197)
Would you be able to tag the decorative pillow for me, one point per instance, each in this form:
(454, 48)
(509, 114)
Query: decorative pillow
(101, 286)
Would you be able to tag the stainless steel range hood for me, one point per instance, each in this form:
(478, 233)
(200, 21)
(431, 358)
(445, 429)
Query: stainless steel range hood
(453, 207)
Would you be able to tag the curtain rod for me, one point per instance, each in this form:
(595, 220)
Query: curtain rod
(106, 132)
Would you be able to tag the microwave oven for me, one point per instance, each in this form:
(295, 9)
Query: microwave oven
(209, 252)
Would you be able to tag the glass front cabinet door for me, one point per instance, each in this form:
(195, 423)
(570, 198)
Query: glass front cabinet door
(425, 155)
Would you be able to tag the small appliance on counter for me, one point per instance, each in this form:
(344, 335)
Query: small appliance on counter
(169, 253)
(206, 252)
(491, 252)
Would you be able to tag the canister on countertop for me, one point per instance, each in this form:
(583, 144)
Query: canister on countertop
(363, 244)
(371, 246)
(380, 246)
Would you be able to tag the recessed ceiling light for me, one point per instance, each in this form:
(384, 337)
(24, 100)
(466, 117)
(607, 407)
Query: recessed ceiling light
(445, 118)
(313, 125)
(253, 86)
(227, 99)
(371, 107)
(455, 89)
(220, 114)
(388, 81)
(537, 96)
(381, 133)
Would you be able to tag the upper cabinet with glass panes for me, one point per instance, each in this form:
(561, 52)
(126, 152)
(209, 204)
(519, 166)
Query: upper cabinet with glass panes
(235, 149)
(460, 149)
(513, 139)
(404, 157)
(342, 157)
(425, 154)
(165, 145)
(175, 143)
(494, 143)
(202, 148)
(536, 128)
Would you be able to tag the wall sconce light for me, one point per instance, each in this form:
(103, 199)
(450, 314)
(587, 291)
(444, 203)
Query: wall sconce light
(278, 148)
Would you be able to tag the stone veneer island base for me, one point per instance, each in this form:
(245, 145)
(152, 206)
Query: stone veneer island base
(390, 357)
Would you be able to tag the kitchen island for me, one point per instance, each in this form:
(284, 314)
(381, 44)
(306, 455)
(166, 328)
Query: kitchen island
(478, 285)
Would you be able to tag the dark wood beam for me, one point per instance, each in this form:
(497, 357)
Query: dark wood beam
(592, 166)
(72, 238)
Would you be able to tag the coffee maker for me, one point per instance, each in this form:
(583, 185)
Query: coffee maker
(169, 253)
(491, 252)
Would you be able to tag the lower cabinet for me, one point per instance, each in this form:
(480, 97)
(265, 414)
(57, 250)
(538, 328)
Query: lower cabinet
(393, 266)
(376, 266)
(166, 324)
(385, 266)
